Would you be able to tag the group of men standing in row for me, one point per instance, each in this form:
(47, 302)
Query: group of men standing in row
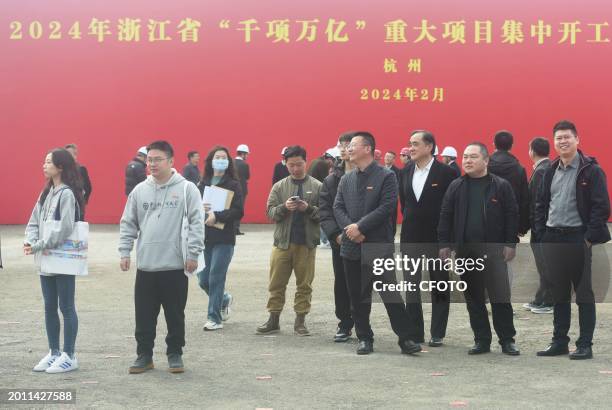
(481, 213)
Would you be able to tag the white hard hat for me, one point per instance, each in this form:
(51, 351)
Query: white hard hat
(143, 151)
(334, 152)
(283, 150)
(449, 152)
(243, 148)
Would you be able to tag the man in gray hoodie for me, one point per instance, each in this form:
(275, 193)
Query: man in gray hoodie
(154, 215)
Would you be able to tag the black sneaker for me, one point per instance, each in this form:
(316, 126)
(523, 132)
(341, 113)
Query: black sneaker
(141, 364)
(342, 335)
(175, 363)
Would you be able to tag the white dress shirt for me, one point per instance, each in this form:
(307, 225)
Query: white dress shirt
(419, 177)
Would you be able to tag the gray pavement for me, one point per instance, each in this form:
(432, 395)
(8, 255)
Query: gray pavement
(234, 368)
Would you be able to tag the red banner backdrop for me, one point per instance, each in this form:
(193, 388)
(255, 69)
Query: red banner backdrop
(270, 74)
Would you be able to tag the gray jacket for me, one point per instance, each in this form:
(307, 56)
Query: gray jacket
(153, 214)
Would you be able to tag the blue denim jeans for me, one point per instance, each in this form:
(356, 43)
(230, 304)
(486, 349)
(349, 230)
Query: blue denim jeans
(60, 288)
(217, 258)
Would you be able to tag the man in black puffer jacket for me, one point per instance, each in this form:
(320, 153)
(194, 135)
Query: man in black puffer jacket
(334, 234)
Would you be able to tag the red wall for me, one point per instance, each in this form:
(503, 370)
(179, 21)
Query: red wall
(111, 98)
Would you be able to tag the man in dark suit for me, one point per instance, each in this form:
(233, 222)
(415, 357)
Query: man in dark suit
(364, 202)
(539, 149)
(244, 173)
(423, 186)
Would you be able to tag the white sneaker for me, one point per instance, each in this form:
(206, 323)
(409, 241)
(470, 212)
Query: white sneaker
(225, 312)
(45, 362)
(210, 325)
(63, 364)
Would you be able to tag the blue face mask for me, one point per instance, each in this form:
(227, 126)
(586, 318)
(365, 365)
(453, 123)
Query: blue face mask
(220, 164)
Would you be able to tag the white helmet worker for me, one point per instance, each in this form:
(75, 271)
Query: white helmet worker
(449, 152)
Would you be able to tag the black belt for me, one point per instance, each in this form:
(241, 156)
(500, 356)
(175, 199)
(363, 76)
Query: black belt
(565, 229)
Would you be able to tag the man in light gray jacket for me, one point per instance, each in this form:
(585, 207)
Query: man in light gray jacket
(154, 215)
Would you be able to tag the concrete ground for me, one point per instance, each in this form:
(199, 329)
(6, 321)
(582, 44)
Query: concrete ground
(234, 368)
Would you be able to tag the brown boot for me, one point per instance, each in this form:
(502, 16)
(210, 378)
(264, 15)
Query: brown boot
(271, 326)
(300, 327)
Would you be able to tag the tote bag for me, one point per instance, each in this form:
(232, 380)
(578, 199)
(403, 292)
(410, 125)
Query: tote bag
(70, 257)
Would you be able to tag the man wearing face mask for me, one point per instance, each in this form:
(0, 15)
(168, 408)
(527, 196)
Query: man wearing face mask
(293, 205)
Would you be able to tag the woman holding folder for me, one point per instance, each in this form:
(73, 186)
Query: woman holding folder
(220, 182)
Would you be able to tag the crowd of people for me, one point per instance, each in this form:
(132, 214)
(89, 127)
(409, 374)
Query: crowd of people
(347, 200)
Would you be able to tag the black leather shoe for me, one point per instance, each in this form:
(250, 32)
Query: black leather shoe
(409, 347)
(509, 348)
(365, 347)
(554, 349)
(581, 353)
(479, 348)
(342, 335)
(435, 342)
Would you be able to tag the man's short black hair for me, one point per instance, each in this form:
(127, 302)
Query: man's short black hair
(71, 146)
(392, 153)
(346, 136)
(483, 148)
(190, 154)
(428, 138)
(368, 139)
(503, 140)
(565, 125)
(162, 146)
(540, 146)
(295, 151)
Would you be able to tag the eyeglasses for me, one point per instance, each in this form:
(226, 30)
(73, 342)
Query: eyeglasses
(155, 160)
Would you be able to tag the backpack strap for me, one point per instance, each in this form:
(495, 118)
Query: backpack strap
(77, 209)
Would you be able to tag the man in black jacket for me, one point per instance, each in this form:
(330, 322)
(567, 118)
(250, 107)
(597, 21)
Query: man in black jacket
(539, 148)
(136, 170)
(421, 192)
(365, 200)
(191, 172)
(244, 174)
(479, 219)
(505, 165)
(280, 169)
(87, 188)
(334, 234)
(571, 215)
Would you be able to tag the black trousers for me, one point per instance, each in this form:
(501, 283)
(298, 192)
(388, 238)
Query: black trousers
(237, 224)
(569, 261)
(341, 294)
(360, 280)
(544, 293)
(153, 290)
(494, 279)
(440, 301)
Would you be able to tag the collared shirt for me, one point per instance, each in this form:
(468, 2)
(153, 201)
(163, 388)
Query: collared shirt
(419, 178)
(563, 211)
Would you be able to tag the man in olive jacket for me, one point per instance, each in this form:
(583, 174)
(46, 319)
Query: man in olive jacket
(293, 205)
